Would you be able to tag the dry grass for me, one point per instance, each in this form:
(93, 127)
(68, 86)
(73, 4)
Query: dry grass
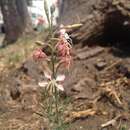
(15, 54)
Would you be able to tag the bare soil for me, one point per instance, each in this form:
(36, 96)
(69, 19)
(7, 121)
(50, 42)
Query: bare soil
(98, 83)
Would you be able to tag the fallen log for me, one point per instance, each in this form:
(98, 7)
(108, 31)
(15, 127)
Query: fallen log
(108, 19)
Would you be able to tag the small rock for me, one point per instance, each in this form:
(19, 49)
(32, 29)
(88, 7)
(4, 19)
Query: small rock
(90, 53)
(83, 88)
(81, 127)
(15, 92)
(100, 65)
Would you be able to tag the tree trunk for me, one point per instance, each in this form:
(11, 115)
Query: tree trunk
(16, 19)
(23, 12)
(109, 19)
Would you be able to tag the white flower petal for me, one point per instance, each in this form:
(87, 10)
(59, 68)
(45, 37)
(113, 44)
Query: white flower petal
(60, 78)
(66, 36)
(43, 84)
(47, 75)
(60, 87)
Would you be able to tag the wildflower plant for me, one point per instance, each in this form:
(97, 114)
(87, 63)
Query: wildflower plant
(60, 49)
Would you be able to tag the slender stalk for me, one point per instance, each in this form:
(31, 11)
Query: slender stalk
(48, 16)
(53, 66)
(53, 63)
(51, 25)
(52, 54)
(56, 105)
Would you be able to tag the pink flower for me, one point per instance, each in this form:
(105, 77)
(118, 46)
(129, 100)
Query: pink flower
(39, 54)
(66, 61)
(63, 47)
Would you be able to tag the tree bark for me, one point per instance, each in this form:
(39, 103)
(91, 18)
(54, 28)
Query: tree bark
(23, 12)
(100, 18)
(16, 19)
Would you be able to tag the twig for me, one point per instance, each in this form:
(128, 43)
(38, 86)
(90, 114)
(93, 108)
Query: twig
(111, 122)
(113, 65)
(113, 92)
(80, 114)
(40, 114)
(73, 26)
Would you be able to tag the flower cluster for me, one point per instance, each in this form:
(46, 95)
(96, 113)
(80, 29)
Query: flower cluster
(62, 54)
(64, 48)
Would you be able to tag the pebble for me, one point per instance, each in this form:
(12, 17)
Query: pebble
(100, 65)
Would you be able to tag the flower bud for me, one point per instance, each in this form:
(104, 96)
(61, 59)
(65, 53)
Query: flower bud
(39, 54)
(52, 8)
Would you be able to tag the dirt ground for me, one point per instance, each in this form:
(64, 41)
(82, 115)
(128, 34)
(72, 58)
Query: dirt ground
(98, 83)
